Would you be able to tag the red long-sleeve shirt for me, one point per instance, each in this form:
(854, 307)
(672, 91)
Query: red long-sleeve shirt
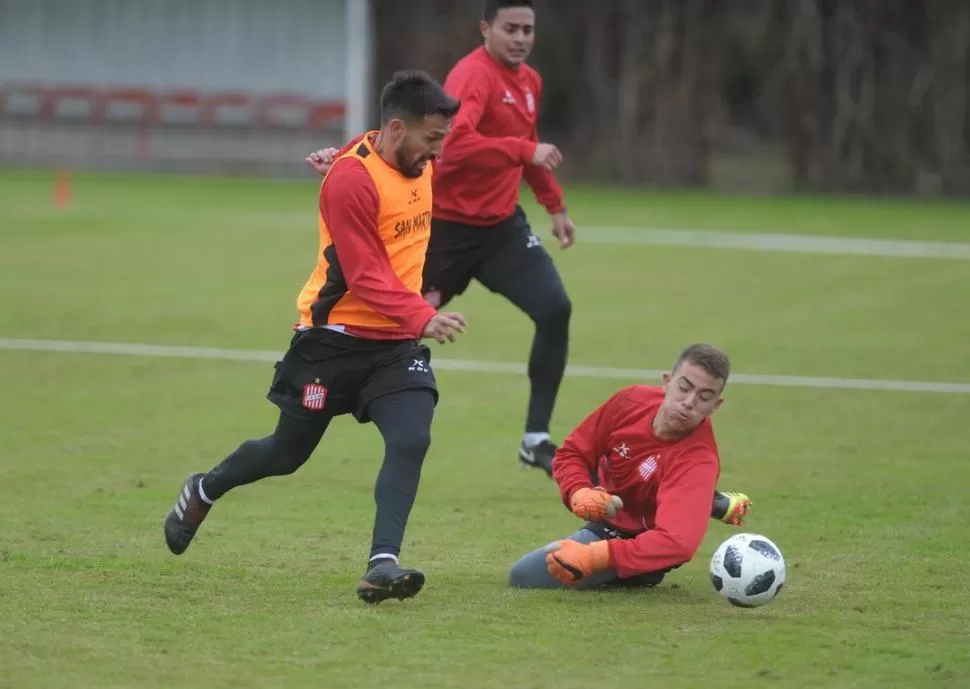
(666, 487)
(493, 138)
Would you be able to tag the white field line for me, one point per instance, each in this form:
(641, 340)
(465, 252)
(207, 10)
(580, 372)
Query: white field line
(641, 236)
(632, 374)
(783, 243)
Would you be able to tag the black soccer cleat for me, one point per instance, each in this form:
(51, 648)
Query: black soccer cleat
(538, 456)
(387, 580)
(186, 516)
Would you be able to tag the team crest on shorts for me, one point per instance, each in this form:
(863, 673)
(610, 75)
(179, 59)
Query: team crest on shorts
(433, 297)
(314, 396)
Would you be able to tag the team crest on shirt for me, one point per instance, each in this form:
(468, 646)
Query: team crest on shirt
(648, 466)
(314, 396)
(530, 102)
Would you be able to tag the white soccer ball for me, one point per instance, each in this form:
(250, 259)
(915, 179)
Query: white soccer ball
(748, 570)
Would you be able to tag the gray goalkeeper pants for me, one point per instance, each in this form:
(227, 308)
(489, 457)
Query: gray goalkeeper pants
(530, 571)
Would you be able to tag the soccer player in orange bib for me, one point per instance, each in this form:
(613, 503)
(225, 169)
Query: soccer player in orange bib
(357, 347)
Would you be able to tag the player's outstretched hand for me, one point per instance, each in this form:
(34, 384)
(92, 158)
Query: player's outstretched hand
(322, 160)
(547, 156)
(594, 504)
(563, 229)
(444, 327)
(570, 562)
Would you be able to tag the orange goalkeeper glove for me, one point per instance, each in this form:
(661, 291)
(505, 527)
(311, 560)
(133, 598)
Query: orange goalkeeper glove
(570, 562)
(594, 504)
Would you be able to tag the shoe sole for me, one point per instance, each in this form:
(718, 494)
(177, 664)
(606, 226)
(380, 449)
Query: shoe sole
(176, 546)
(406, 586)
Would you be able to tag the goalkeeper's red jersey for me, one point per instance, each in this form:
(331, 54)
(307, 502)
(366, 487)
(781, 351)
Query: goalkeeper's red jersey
(667, 487)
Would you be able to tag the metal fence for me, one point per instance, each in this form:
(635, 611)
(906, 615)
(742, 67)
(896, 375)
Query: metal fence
(201, 85)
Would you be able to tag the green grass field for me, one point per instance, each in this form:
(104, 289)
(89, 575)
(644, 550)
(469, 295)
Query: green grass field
(864, 491)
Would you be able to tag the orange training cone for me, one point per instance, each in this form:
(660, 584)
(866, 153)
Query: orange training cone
(62, 188)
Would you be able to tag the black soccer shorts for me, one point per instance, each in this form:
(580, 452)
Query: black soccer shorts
(327, 372)
(492, 255)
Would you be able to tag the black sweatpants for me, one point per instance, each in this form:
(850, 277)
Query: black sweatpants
(508, 259)
(398, 397)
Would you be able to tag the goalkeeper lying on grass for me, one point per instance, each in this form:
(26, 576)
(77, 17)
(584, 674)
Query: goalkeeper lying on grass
(640, 470)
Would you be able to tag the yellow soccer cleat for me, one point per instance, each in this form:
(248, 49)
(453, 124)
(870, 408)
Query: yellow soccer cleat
(730, 508)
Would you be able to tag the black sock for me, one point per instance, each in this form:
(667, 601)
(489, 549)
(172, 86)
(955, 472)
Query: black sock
(283, 452)
(404, 420)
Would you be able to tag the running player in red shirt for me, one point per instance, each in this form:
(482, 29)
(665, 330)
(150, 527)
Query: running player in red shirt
(640, 470)
(478, 228)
